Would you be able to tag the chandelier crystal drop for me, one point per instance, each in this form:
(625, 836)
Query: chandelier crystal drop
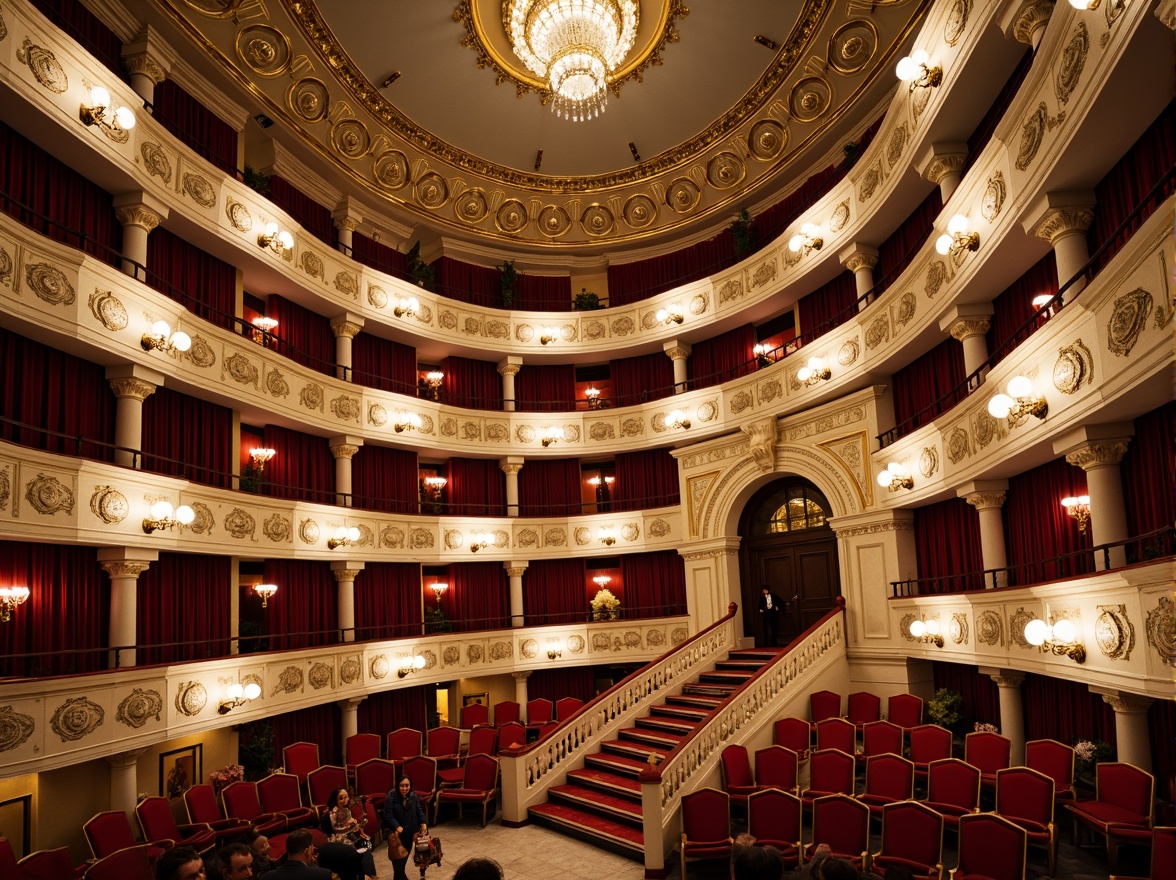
(575, 45)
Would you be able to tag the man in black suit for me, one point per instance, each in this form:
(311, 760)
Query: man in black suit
(299, 862)
(769, 609)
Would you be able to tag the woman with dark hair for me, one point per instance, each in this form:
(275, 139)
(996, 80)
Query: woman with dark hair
(345, 828)
(405, 816)
(259, 843)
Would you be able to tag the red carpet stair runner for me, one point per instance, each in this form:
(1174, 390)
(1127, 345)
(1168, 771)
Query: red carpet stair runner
(601, 803)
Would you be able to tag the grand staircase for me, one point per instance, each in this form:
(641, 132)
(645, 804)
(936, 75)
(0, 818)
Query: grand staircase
(601, 803)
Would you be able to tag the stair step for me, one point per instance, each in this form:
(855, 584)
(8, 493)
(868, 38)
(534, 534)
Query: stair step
(725, 676)
(609, 780)
(669, 725)
(699, 701)
(745, 666)
(599, 802)
(615, 836)
(636, 750)
(658, 738)
(686, 713)
(628, 764)
(763, 655)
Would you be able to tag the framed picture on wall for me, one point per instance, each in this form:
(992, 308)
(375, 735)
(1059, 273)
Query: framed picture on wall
(16, 823)
(475, 699)
(180, 769)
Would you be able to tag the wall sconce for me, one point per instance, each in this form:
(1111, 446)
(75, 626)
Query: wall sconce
(161, 338)
(480, 541)
(762, 356)
(265, 591)
(552, 434)
(1060, 639)
(671, 314)
(594, 482)
(913, 69)
(433, 379)
(554, 649)
(593, 395)
(260, 456)
(263, 328)
(602, 581)
(238, 696)
(407, 307)
(344, 537)
(606, 536)
(439, 591)
(808, 239)
(277, 240)
(434, 485)
(95, 113)
(1019, 402)
(895, 477)
(409, 665)
(1078, 507)
(957, 237)
(927, 631)
(10, 598)
(814, 372)
(678, 419)
(406, 421)
(549, 335)
(164, 516)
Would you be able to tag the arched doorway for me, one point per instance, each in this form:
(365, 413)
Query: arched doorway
(788, 545)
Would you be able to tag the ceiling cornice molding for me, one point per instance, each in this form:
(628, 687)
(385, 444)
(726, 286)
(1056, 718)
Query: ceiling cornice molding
(116, 17)
(198, 86)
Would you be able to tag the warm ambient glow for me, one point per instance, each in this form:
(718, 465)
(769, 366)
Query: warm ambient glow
(261, 455)
(410, 664)
(671, 314)
(814, 371)
(602, 580)
(927, 631)
(265, 324)
(344, 537)
(895, 477)
(548, 335)
(275, 239)
(164, 516)
(439, 589)
(10, 599)
(238, 696)
(1020, 401)
(1078, 507)
(161, 338)
(406, 307)
(575, 45)
(809, 238)
(957, 237)
(1061, 638)
(266, 591)
(678, 419)
(913, 69)
(406, 421)
(606, 536)
(480, 541)
(95, 113)
(551, 434)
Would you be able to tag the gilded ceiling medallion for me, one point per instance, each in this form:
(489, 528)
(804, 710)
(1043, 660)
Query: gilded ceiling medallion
(597, 220)
(470, 206)
(391, 170)
(852, 46)
(263, 49)
(767, 139)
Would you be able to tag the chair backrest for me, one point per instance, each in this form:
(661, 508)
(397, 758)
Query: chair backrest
(505, 712)
(538, 710)
(930, 742)
(300, 758)
(241, 800)
(360, 747)
(156, 820)
(736, 767)
(890, 776)
(483, 741)
(988, 751)
(131, 863)
(792, 733)
(863, 707)
(991, 847)
(109, 832)
(843, 823)
(775, 767)
(881, 738)
(905, 710)
(1022, 793)
(1054, 759)
(200, 801)
(1126, 786)
(321, 782)
(405, 742)
(443, 741)
(422, 770)
(831, 770)
(510, 733)
(481, 773)
(824, 704)
(375, 777)
(280, 791)
(955, 782)
(7, 859)
(836, 733)
(45, 864)
(1163, 853)
(474, 714)
(912, 832)
(706, 816)
(773, 814)
(566, 707)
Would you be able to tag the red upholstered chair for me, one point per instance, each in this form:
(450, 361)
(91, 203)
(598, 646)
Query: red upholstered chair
(864, 707)
(538, 711)
(241, 801)
(738, 781)
(157, 823)
(8, 859)
(953, 789)
(444, 744)
(357, 749)
(478, 786)
(912, 838)
(830, 772)
(510, 733)
(279, 794)
(889, 779)
(1055, 760)
(46, 864)
(929, 742)
(111, 831)
(505, 712)
(793, 733)
(1163, 856)
(822, 705)
(844, 824)
(880, 738)
(706, 826)
(474, 714)
(1026, 798)
(905, 710)
(989, 752)
(1121, 811)
(836, 733)
(483, 741)
(374, 779)
(774, 819)
(202, 806)
(405, 743)
(422, 770)
(775, 767)
(991, 848)
(321, 782)
(130, 863)
(566, 707)
(300, 758)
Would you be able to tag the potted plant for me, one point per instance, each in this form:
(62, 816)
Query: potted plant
(1088, 754)
(422, 273)
(946, 708)
(436, 621)
(586, 301)
(743, 234)
(507, 276)
(605, 606)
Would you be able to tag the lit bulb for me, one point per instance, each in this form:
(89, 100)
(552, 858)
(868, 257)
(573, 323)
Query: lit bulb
(1020, 386)
(162, 510)
(124, 118)
(662, 314)
(908, 68)
(809, 229)
(235, 691)
(181, 341)
(884, 479)
(796, 243)
(932, 627)
(286, 240)
(99, 97)
(252, 690)
(943, 244)
(353, 534)
(418, 662)
(1000, 406)
(1064, 632)
(414, 304)
(185, 515)
(341, 533)
(271, 229)
(803, 374)
(957, 225)
(161, 329)
(918, 629)
(1036, 632)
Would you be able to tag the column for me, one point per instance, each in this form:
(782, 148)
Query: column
(521, 693)
(1062, 219)
(968, 325)
(345, 327)
(1132, 738)
(347, 218)
(1026, 21)
(943, 165)
(138, 213)
(349, 716)
(988, 497)
(131, 385)
(860, 259)
(346, 571)
(678, 352)
(344, 449)
(124, 780)
(514, 571)
(1012, 713)
(511, 465)
(1098, 449)
(124, 567)
(148, 61)
(508, 369)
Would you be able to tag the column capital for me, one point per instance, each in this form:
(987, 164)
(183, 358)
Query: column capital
(1004, 678)
(132, 380)
(521, 676)
(986, 500)
(1095, 445)
(347, 324)
(139, 208)
(348, 215)
(346, 570)
(966, 327)
(873, 522)
(941, 159)
(510, 366)
(1125, 703)
(149, 54)
(345, 446)
(957, 314)
(1057, 215)
(126, 562)
(1022, 20)
(350, 704)
(678, 351)
(1100, 454)
(127, 758)
(513, 571)
(859, 256)
(511, 464)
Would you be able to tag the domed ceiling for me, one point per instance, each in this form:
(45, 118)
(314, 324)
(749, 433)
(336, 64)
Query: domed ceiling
(427, 108)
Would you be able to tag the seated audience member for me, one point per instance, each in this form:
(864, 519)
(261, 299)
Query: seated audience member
(836, 869)
(478, 869)
(259, 843)
(756, 863)
(180, 863)
(345, 828)
(235, 862)
(299, 864)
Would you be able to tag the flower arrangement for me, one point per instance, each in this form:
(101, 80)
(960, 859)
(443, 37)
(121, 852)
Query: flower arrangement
(604, 600)
(984, 727)
(1087, 753)
(226, 776)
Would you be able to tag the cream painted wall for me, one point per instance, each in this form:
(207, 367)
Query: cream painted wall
(66, 799)
(499, 687)
(19, 786)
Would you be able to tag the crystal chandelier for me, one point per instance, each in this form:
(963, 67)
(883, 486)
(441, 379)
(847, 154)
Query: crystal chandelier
(575, 45)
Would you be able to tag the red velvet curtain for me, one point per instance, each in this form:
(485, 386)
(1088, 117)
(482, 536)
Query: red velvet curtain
(723, 358)
(202, 130)
(553, 592)
(304, 611)
(566, 681)
(645, 479)
(477, 487)
(303, 336)
(655, 584)
(828, 306)
(316, 724)
(302, 468)
(385, 364)
(478, 597)
(388, 601)
(947, 544)
(1013, 307)
(980, 694)
(1037, 528)
(468, 283)
(309, 214)
(550, 487)
(546, 388)
(543, 293)
(896, 252)
(386, 711)
(983, 132)
(57, 392)
(1161, 721)
(1057, 708)
(200, 282)
(195, 434)
(632, 282)
(1148, 471)
(471, 383)
(638, 379)
(184, 598)
(66, 618)
(928, 379)
(85, 27)
(385, 479)
(378, 256)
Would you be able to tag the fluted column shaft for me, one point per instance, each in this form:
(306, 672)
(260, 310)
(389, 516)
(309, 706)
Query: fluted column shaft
(1104, 485)
(1062, 219)
(139, 213)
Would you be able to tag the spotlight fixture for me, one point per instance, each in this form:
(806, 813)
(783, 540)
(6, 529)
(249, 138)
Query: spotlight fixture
(606, 536)
(10, 599)
(1078, 507)
(554, 649)
(602, 581)
(814, 372)
(927, 631)
(913, 69)
(164, 516)
(409, 665)
(671, 314)
(1061, 639)
(98, 112)
(808, 239)
(439, 591)
(277, 240)
(238, 696)
(480, 541)
(161, 338)
(551, 434)
(678, 419)
(895, 477)
(344, 537)
(548, 335)
(266, 591)
(407, 307)
(957, 237)
(406, 421)
(1019, 402)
